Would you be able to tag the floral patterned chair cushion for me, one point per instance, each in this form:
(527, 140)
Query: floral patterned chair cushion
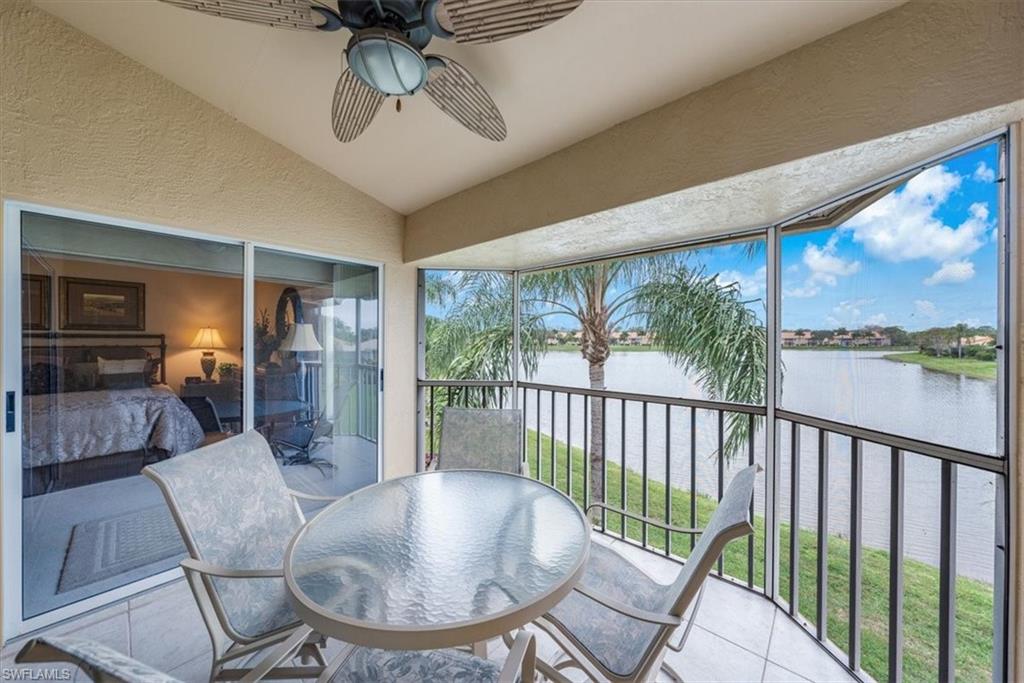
(483, 439)
(236, 512)
(99, 661)
(368, 665)
(618, 641)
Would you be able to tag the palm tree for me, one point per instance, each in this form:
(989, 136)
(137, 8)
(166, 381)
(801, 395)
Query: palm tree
(961, 332)
(702, 324)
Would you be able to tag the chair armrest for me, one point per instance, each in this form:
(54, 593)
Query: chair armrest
(200, 567)
(647, 520)
(98, 661)
(629, 610)
(521, 660)
(311, 496)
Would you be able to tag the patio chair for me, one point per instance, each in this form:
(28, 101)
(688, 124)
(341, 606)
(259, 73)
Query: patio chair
(296, 443)
(483, 439)
(206, 413)
(356, 664)
(236, 517)
(99, 662)
(617, 623)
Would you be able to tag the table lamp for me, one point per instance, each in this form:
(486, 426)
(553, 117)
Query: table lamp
(300, 337)
(207, 339)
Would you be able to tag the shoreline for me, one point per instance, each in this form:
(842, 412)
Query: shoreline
(967, 367)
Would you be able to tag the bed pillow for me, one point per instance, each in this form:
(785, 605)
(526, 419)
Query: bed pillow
(83, 376)
(121, 367)
(123, 380)
(152, 371)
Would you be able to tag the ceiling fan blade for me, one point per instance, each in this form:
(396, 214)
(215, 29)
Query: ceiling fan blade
(355, 104)
(487, 21)
(454, 90)
(296, 14)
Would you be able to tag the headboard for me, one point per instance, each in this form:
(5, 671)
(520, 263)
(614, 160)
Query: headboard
(57, 343)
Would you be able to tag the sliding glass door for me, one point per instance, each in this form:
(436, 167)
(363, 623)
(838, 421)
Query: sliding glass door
(316, 376)
(137, 344)
(118, 328)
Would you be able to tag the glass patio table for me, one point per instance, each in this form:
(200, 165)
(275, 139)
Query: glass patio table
(436, 559)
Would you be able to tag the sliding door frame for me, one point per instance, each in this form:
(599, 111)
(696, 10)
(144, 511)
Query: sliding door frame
(11, 538)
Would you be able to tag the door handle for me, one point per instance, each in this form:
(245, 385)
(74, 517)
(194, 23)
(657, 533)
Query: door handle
(9, 411)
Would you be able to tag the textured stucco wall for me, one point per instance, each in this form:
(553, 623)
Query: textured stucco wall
(82, 126)
(915, 65)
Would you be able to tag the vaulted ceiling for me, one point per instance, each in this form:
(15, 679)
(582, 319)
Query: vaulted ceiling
(608, 61)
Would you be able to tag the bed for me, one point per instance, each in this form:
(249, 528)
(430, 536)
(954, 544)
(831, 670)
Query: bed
(83, 424)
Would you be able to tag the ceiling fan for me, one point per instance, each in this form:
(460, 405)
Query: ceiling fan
(385, 53)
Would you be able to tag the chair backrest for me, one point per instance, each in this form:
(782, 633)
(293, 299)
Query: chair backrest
(485, 439)
(99, 662)
(730, 521)
(205, 411)
(233, 509)
(322, 428)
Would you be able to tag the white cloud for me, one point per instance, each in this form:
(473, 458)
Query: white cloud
(826, 265)
(794, 268)
(951, 272)
(983, 174)
(878, 319)
(804, 291)
(903, 225)
(751, 284)
(926, 308)
(849, 312)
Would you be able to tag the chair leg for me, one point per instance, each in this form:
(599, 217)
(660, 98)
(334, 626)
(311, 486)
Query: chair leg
(672, 673)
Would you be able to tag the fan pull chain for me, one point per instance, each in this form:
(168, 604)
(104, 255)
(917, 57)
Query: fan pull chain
(398, 105)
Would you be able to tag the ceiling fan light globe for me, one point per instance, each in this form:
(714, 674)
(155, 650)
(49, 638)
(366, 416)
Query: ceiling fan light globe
(386, 62)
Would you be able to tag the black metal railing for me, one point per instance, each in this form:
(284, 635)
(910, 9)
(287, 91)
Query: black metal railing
(676, 472)
(895, 449)
(559, 436)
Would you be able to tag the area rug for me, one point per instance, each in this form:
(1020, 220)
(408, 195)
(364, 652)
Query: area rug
(102, 548)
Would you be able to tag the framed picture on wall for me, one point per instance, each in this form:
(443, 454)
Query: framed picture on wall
(35, 302)
(87, 304)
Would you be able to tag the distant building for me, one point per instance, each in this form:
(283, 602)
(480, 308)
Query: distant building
(800, 338)
(978, 340)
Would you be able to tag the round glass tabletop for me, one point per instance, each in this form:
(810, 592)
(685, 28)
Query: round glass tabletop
(436, 559)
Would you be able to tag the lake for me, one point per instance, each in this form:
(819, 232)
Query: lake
(857, 387)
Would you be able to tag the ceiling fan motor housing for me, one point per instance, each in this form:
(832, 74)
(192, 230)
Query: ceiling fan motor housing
(384, 60)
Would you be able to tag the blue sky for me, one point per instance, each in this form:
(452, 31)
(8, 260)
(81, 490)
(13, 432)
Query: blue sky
(923, 256)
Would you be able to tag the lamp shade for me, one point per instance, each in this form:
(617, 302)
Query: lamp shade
(208, 338)
(301, 338)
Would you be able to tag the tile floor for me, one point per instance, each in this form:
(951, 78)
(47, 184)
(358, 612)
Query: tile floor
(738, 636)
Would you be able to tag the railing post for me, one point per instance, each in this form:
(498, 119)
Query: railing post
(896, 566)
(856, 502)
(794, 518)
(668, 477)
(947, 574)
(822, 606)
(773, 393)
(643, 480)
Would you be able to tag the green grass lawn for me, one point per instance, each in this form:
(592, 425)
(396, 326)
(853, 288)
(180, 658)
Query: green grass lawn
(971, 367)
(921, 581)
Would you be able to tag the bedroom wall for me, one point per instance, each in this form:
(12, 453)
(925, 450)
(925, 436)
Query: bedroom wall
(84, 127)
(177, 305)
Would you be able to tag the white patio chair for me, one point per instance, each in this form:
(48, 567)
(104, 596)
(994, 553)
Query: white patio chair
(369, 665)
(236, 517)
(617, 623)
(99, 662)
(482, 439)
